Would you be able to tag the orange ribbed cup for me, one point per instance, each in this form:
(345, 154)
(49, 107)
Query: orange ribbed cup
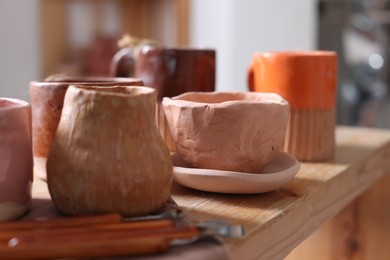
(307, 80)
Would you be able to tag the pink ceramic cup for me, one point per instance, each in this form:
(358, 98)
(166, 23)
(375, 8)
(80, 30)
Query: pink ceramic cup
(16, 163)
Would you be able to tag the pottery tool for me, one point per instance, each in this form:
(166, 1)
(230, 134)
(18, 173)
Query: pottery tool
(106, 237)
(83, 221)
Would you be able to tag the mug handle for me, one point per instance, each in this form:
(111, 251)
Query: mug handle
(123, 63)
(251, 77)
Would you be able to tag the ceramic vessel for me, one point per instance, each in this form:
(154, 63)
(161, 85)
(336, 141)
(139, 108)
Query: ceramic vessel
(277, 173)
(307, 80)
(46, 103)
(16, 163)
(107, 155)
(171, 71)
(227, 131)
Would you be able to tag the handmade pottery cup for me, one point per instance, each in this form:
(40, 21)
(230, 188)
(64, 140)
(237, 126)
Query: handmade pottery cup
(107, 155)
(171, 71)
(16, 163)
(307, 80)
(47, 99)
(227, 131)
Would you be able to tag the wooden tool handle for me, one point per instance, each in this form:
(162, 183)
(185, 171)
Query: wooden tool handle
(112, 242)
(63, 222)
(77, 231)
(129, 246)
(87, 234)
(91, 236)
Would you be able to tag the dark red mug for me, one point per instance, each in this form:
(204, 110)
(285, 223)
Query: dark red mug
(171, 71)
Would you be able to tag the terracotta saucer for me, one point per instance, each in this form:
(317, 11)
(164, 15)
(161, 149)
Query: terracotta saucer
(281, 170)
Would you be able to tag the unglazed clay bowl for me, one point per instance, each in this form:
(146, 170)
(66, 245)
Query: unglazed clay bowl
(47, 98)
(230, 131)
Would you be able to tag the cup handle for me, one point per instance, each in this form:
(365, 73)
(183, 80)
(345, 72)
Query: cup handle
(123, 63)
(251, 78)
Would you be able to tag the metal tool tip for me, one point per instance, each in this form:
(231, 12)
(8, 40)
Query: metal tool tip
(237, 231)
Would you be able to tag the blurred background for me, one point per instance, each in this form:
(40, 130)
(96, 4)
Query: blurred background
(79, 37)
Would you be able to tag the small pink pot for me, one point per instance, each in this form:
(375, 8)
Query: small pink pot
(16, 163)
(227, 130)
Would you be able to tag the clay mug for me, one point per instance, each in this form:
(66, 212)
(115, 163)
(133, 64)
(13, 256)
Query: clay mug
(16, 161)
(307, 80)
(171, 71)
(107, 155)
(47, 99)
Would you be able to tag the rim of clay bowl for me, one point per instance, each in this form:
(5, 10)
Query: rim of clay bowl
(122, 81)
(182, 99)
(86, 79)
(12, 103)
(124, 91)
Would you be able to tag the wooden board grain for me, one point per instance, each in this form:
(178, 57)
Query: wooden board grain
(360, 231)
(278, 221)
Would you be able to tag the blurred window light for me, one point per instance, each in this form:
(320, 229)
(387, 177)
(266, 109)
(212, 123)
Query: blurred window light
(375, 61)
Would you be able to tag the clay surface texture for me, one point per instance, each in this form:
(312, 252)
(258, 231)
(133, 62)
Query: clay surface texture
(231, 131)
(107, 155)
(47, 100)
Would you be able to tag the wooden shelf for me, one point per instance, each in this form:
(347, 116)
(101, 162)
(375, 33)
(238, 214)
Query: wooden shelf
(277, 222)
(163, 21)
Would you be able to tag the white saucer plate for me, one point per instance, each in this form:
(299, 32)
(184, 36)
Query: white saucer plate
(280, 171)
